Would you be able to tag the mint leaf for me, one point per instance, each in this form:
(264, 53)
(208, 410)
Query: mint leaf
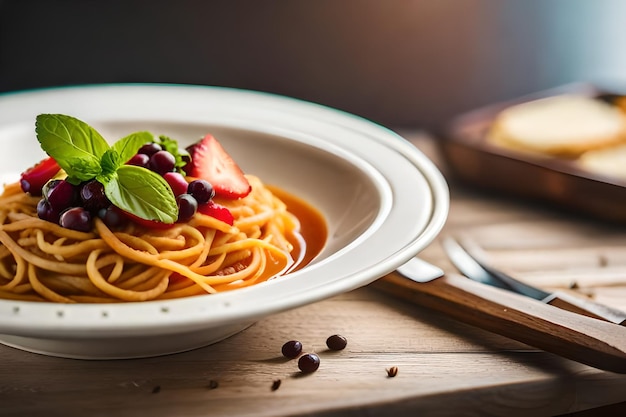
(79, 170)
(122, 151)
(75, 145)
(128, 146)
(143, 193)
(62, 135)
(109, 162)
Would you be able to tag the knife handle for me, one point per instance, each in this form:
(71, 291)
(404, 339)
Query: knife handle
(586, 307)
(583, 339)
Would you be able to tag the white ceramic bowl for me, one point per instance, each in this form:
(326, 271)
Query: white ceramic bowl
(383, 201)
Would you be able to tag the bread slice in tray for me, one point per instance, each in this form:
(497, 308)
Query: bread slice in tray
(609, 162)
(564, 125)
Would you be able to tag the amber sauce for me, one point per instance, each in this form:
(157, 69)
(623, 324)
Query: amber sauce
(313, 230)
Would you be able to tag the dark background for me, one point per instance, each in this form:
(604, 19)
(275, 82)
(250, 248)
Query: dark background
(402, 63)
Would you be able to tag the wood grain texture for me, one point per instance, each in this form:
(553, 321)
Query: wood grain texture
(445, 367)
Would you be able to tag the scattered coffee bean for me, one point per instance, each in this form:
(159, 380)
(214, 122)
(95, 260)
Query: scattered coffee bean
(292, 349)
(393, 371)
(336, 342)
(309, 363)
(213, 384)
(276, 384)
(156, 389)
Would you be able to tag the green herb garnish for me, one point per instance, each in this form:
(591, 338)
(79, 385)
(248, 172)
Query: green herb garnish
(85, 155)
(171, 145)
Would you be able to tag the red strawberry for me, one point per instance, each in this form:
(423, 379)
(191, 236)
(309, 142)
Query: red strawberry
(34, 178)
(218, 211)
(210, 162)
(150, 224)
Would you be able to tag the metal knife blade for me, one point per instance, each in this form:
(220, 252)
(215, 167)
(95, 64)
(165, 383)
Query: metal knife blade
(583, 339)
(470, 265)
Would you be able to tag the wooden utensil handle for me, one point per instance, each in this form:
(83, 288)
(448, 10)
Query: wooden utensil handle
(593, 342)
(586, 307)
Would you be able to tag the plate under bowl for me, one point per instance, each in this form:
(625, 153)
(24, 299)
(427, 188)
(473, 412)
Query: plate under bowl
(382, 199)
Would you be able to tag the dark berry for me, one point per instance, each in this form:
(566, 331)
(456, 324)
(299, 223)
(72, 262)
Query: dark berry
(336, 342)
(112, 217)
(60, 194)
(150, 149)
(309, 363)
(93, 197)
(48, 187)
(292, 349)
(76, 218)
(201, 190)
(162, 162)
(187, 207)
(177, 182)
(140, 160)
(46, 212)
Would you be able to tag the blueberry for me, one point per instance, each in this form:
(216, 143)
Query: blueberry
(201, 190)
(150, 149)
(162, 162)
(187, 207)
(93, 196)
(76, 218)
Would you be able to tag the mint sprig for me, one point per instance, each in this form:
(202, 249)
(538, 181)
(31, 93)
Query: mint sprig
(85, 155)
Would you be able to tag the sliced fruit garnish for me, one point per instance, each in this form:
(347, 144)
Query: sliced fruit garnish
(211, 162)
(150, 224)
(217, 211)
(34, 178)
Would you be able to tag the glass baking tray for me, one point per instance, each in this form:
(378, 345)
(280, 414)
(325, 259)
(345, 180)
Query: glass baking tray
(471, 159)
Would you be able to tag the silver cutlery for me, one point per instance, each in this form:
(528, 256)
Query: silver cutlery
(472, 266)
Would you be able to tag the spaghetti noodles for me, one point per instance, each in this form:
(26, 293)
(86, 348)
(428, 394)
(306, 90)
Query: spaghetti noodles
(42, 261)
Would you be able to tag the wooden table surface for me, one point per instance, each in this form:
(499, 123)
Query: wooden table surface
(444, 367)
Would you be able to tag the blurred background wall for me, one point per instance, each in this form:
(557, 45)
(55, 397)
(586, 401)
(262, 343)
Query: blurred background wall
(402, 63)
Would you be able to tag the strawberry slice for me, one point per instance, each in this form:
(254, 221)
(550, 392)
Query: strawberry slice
(210, 209)
(34, 178)
(150, 224)
(218, 211)
(211, 162)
